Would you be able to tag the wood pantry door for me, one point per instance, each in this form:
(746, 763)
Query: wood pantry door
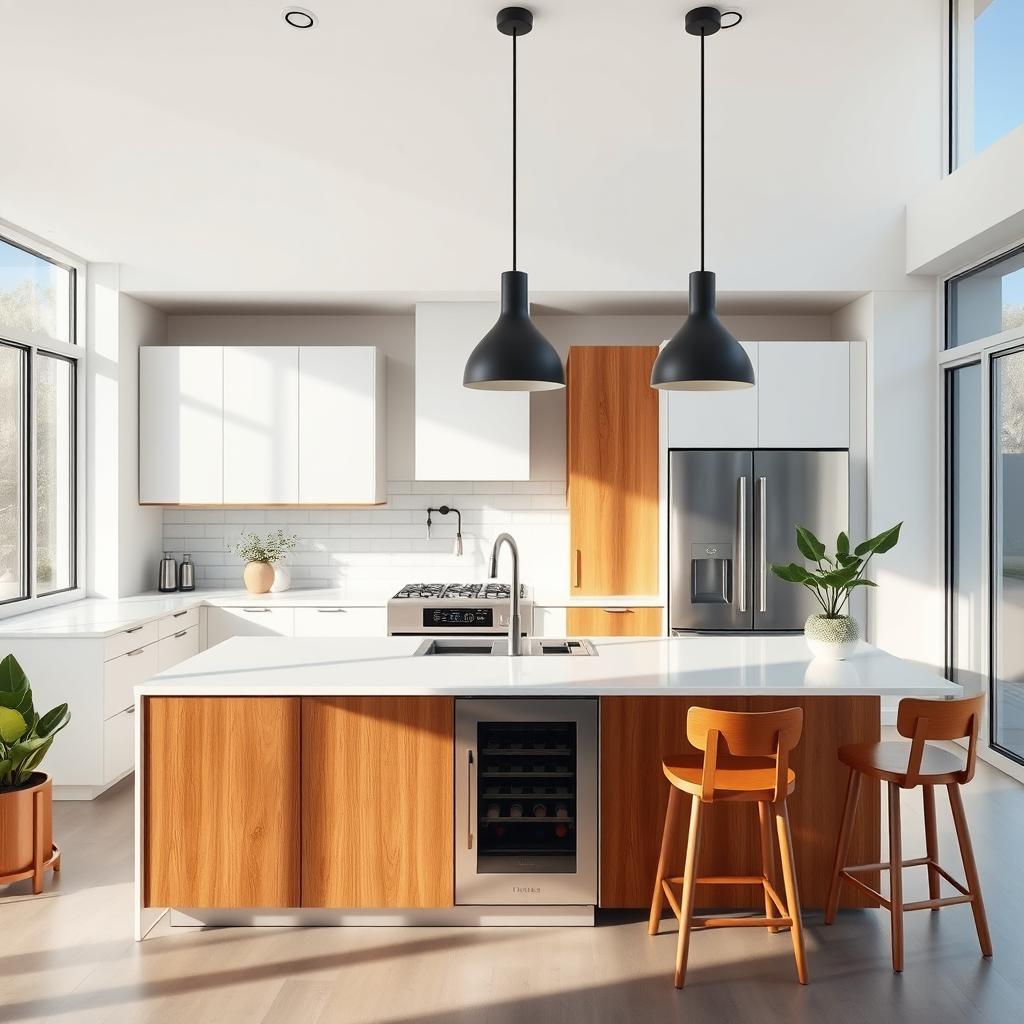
(377, 802)
(612, 468)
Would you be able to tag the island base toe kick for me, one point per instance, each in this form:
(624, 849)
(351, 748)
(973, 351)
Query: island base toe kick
(434, 917)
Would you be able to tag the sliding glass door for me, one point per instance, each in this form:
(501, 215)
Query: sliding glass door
(1007, 612)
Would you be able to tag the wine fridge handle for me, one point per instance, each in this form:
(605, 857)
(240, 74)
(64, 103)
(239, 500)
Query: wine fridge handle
(741, 549)
(762, 488)
(470, 799)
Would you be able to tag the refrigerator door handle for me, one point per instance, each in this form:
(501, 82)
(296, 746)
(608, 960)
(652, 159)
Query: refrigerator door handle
(741, 548)
(470, 799)
(762, 503)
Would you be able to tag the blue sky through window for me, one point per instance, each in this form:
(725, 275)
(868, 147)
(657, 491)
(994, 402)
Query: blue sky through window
(998, 71)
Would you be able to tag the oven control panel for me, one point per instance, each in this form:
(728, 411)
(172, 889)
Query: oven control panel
(441, 618)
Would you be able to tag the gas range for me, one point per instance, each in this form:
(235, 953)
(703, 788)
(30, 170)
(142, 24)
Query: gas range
(456, 609)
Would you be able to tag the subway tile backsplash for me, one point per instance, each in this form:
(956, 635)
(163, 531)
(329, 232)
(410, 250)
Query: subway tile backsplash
(363, 551)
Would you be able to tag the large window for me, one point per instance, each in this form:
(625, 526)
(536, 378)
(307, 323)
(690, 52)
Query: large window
(987, 300)
(987, 73)
(39, 382)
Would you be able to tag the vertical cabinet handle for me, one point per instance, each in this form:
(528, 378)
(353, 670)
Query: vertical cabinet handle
(579, 569)
(762, 488)
(740, 582)
(470, 800)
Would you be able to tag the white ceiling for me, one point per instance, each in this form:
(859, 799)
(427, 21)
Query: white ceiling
(226, 160)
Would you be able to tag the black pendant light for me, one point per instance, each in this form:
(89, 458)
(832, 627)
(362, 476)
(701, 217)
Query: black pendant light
(702, 355)
(513, 355)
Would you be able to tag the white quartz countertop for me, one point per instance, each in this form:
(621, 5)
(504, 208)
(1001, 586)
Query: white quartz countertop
(96, 617)
(624, 666)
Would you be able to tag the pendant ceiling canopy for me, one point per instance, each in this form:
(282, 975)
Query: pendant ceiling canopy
(513, 355)
(702, 355)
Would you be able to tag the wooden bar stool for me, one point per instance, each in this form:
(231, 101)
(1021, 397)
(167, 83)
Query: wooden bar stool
(907, 766)
(745, 758)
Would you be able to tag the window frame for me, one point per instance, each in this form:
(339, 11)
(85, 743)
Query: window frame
(74, 351)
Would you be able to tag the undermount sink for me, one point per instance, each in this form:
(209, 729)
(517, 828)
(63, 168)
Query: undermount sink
(464, 646)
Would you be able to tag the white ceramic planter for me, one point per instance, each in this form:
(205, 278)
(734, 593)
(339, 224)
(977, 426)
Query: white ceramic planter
(834, 639)
(282, 578)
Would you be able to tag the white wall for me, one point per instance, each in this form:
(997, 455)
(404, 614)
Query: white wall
(124, 539)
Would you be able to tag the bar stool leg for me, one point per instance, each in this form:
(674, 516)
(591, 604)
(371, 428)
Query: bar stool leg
(931, 843)
(896, 876)
(767, 859)
(792, 893)
(970, 868)
(689, 890)
(667, 836)
(843, 843)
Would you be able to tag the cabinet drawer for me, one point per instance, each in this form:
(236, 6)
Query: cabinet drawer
(130, 640)
(340, 622)
(121, 675)
(222, 623)
(119, 744)
(177, 647)
(613, 621)
(177, 621)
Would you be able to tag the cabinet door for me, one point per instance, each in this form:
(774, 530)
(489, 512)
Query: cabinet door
(221, 791)
(463, 434)
(341, 425)
(341, 622)
(181, 425)
(377, 803)
(614, 621)
(223, 623)
(803, 392)
(261, 426)
(612, 457)
(715, 419)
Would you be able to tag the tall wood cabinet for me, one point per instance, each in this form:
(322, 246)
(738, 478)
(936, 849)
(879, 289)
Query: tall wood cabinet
(612, 467)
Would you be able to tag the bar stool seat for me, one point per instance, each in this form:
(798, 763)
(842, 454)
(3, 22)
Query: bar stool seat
(745, 757)
(890, 761)
(736, 778)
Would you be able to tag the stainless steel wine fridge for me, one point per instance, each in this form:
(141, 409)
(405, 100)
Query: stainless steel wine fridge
(526, 802)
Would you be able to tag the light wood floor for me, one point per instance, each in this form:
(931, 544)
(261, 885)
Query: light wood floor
(68, 956)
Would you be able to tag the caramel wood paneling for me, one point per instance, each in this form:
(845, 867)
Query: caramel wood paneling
(377, 802)
(612, 470)
(222, 801)
(637, 732)
(621, 622)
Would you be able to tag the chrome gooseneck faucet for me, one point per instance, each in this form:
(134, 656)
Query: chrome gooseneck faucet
(515, 639)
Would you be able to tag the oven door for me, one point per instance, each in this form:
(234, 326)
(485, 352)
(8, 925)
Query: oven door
(526, 802)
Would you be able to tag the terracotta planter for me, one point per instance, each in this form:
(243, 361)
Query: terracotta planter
(26, 832)
(259, 577)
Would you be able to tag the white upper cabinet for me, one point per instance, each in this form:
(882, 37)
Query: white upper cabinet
(803, 394)
(261, 426)
(181, 400)
(461, 433)
(715, 419)
(341, 426)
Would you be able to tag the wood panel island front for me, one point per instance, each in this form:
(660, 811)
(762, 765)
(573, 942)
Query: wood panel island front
(313, 781)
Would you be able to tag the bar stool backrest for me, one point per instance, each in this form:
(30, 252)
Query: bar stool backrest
(919, 720)
(744, 734)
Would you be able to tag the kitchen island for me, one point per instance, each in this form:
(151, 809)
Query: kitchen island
(287, 780)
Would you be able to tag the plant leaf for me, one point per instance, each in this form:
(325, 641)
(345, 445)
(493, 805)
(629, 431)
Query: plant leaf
(793, 573)
(839, 578)
(809, 545)
(53, 721)
(842, 546)
(862, 583)
(12, 725)
(885, 541)
(15, 691)
(31, 762)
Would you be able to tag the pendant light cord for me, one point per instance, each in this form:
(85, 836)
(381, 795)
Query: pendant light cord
(515, 154)
(702, 151)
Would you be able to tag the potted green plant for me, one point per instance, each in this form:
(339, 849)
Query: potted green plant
(26, 794)
(260, 555)
(830, 633)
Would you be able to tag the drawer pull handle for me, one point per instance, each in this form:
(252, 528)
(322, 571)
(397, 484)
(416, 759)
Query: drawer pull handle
(618, 611)
(134, 629)
(330, 611)
(178, 615)
(184, 632)
(256, 611)
(138, 650)
(130, 711)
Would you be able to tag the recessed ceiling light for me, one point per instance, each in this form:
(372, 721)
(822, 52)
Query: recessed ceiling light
(299, 17)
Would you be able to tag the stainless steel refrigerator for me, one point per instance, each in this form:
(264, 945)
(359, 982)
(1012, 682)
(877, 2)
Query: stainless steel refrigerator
(733, 513)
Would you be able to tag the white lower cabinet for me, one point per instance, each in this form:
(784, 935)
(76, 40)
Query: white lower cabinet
(549, 622)
(122, 675)
(340, 622)
(223, 623)
(177, 647)
(119, 744)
